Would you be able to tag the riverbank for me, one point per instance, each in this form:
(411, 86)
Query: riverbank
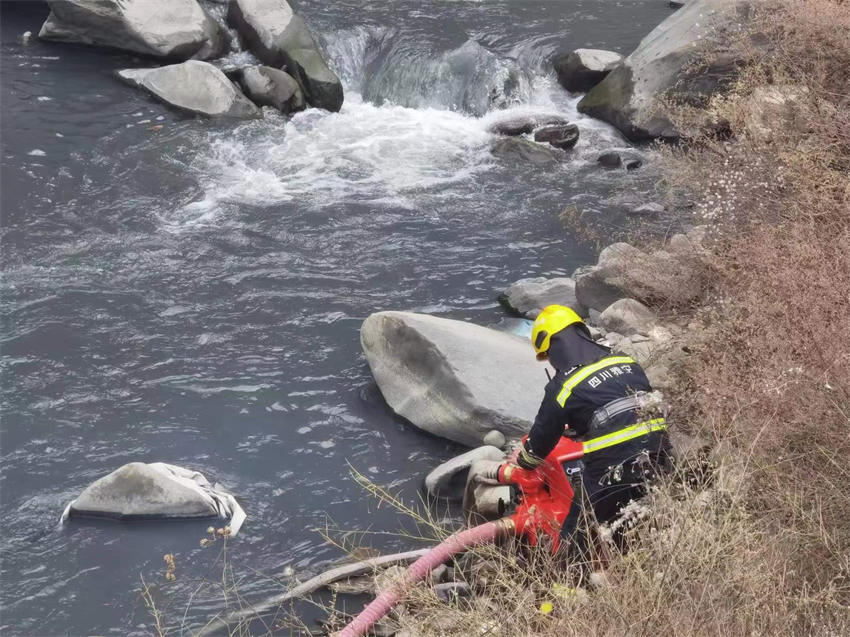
(757, 541)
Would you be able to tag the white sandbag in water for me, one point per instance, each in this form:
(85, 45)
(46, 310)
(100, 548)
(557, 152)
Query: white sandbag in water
(156, 491)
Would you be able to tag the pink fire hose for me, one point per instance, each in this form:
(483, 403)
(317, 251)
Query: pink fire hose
(419, 570)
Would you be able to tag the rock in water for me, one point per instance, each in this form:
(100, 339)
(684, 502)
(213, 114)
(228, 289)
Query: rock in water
(583, 69)
(529, 296)
(162, 28)
(155, 491)
(280, 38)
(270, 87)
(519, 149)
(196, 87)
(663, 64)
(451, 378)
(524, 124)
(610, 159)
(563, 137)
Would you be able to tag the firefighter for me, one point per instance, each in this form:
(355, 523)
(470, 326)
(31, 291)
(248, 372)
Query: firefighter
(602, 399)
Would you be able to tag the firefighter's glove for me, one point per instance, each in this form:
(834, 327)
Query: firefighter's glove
(528, 481)
(526, 458)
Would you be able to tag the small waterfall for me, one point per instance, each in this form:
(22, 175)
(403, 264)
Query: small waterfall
(385, 66)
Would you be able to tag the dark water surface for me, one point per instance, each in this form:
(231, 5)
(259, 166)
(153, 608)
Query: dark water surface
(192, 293)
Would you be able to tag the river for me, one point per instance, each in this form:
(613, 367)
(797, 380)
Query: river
(191, 291)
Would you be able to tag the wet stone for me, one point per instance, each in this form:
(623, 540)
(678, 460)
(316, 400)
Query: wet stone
(563, 137)
(611, 159)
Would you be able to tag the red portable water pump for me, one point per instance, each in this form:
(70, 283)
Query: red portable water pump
(545, 496)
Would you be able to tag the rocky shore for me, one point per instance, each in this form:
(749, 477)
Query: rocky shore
(196, 37)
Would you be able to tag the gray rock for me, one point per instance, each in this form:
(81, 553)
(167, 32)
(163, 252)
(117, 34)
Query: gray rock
(195, 87)
(161, 28)
(451, 378)
(270, 87)
(776, 109)
(647, 210)
(518, 149)
(633, 164)
(563, 137)
(156, 490)
(496, 439)
(610, 159)
(662, 65)
(280, 38)
(627, 317)
(524, 124)
(529, 296)
(438, 483)
(672, 276)
(583, 69)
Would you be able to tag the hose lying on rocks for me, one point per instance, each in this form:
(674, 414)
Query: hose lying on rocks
(419, 570)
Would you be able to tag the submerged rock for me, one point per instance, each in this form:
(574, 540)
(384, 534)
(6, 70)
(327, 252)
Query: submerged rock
(270, 87)
(155, 491)
(195, 87)
(451, 378)
(529, 296)
(582, 69)
(162, 28)
(662, 65)
(518, 149)
(610, 159)
(280, 38)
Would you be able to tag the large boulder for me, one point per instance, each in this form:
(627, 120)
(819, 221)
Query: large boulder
(528, 296)
(155, 491)
(280, 38)
(674, 276)
(195, 87)
(270, 87)
(451, 378)
(162, 28)
(664, 65)
(582, 69)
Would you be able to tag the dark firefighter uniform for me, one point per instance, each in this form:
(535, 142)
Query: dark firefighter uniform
(595, 396)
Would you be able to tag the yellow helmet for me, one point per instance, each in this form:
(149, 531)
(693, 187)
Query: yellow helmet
(550, 321)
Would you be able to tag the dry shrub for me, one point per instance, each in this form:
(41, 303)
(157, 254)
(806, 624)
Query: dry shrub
(763, 548)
